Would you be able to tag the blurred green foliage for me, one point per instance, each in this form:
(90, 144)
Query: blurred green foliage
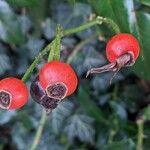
(99, 115)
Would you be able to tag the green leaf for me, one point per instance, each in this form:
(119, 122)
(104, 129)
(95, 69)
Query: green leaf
(145, 2)
(22, 3)
(21, 136)
(56, 43)
(49, 28)
(147, 113)
(109, 8)
(80, 126)
(4, 63)
(71, 2)
(142, 31)
(6, 116)
(38, 14)
(89, 106)
(122, 145)
(26, 121)
(10, 24)
(63, 110)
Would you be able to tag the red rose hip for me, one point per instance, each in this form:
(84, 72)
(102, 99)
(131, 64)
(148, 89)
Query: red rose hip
(121, 50)
(121, 44)
(13, 93)
(58, 79)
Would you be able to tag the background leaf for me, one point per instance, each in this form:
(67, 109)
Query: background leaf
(22, 3)
(4, 63)
(80, 126)
(145, 2)
(123, 145)
(59, 115)
(143, 22)
(10, 26)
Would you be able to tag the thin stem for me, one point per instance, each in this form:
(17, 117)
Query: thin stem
(98, 20)
(111, 136)
(80, 28)
(39, 131)
(115, 92)
(35, 62)
(112, 24)
(140, 124)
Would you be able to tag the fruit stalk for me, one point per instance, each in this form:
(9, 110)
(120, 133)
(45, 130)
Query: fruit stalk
(122, 61)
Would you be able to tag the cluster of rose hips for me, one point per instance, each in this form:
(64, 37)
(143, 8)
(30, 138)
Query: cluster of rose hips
(57, 80)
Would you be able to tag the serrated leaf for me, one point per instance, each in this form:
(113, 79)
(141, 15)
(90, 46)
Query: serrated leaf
(6, 116)
(50, 142)
(58, 115)
(4, 63)
(81, 9)
(89, 106)
(49, 28)
(34, 45)
(11, 25)
(25, 23)
(21, 136)
(80, 126)
(26, 120)
(3, 34)
(72, 16)
(89, 58)
(119, 109)
(102, 82)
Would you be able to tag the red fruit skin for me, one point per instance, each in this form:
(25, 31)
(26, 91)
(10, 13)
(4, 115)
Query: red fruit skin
(17, 89)
(56, 71)
(121, 44)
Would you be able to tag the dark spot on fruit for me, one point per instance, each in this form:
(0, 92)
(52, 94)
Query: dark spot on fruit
(4, 99)
(56, 91)
(39, 95)
(49, 103)
(36, 91)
